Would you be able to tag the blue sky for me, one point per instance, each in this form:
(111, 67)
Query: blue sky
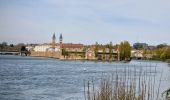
(85, 21)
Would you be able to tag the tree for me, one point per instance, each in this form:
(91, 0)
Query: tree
(110, 50)
(104, 51)
(11, 45)
(162, 53)
(64, 53)
(125, 50)
(4, 44)
(121, 50)
(96, 49)
(161, 45)
(23, 48)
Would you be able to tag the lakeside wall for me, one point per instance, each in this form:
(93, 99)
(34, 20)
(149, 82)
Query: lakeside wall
(46, 54)
(73, 56)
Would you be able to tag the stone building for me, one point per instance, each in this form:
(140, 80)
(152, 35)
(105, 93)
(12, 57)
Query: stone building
(72, 51)
(47, 49)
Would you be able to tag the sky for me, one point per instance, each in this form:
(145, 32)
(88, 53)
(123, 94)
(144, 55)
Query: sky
(85, 21)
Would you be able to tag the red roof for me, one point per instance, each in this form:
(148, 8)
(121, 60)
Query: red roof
(70, 45)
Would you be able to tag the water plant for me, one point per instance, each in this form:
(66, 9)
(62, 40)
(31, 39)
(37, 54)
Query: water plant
(130, 85)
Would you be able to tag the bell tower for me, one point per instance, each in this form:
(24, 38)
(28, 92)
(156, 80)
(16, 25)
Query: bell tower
(61, 39)
(53, 41)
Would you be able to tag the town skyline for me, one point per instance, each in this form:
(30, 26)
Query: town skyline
(57, 41)
(85, 22)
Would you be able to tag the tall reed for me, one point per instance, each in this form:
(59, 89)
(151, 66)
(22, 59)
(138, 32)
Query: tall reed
(129, 85)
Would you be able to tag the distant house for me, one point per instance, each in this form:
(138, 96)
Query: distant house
(46, 47)
(140, 45)
(42, 48)
(138, 54)
(72, 47)
(30, 48)
(72, 51)
(90, 54)
(151, 47)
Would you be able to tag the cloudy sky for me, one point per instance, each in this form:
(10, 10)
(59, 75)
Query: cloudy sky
(85, 21)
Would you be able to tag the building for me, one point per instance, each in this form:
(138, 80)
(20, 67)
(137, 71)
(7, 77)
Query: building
(30, 47)
(48, 47)
(42, 47)
(72, 47)
(61, 39)
(72, 51)
(137, 54)
(90, 54)
(62, 50)
(140, 45)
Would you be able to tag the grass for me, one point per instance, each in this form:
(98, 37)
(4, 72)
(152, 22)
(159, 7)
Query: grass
(137, 86)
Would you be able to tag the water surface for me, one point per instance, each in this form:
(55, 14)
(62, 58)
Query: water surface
(30, 78)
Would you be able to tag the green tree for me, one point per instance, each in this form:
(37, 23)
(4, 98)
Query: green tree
(96, 49)
(121, 50)
(125, 50)
(161, 45)
(104, 51)
(23, 48)
(110, 50)
(64, 52)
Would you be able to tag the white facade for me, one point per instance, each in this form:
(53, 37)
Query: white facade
(46, 47)
(57, 48)
(29, 48)
(137, 53)
(42, 48)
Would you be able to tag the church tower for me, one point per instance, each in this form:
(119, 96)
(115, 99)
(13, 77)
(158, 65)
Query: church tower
(53, 41)
(61, 39)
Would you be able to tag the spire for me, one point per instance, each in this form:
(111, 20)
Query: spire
(54, 36)
(61, 38)
(53, 40)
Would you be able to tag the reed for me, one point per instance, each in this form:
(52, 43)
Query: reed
(130, 85)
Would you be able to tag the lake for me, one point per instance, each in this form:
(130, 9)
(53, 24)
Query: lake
(31, 78)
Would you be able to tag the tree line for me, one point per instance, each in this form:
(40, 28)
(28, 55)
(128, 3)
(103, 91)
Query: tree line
(5, 47)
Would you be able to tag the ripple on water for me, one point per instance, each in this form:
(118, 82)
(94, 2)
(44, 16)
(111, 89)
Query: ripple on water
(29, 78)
